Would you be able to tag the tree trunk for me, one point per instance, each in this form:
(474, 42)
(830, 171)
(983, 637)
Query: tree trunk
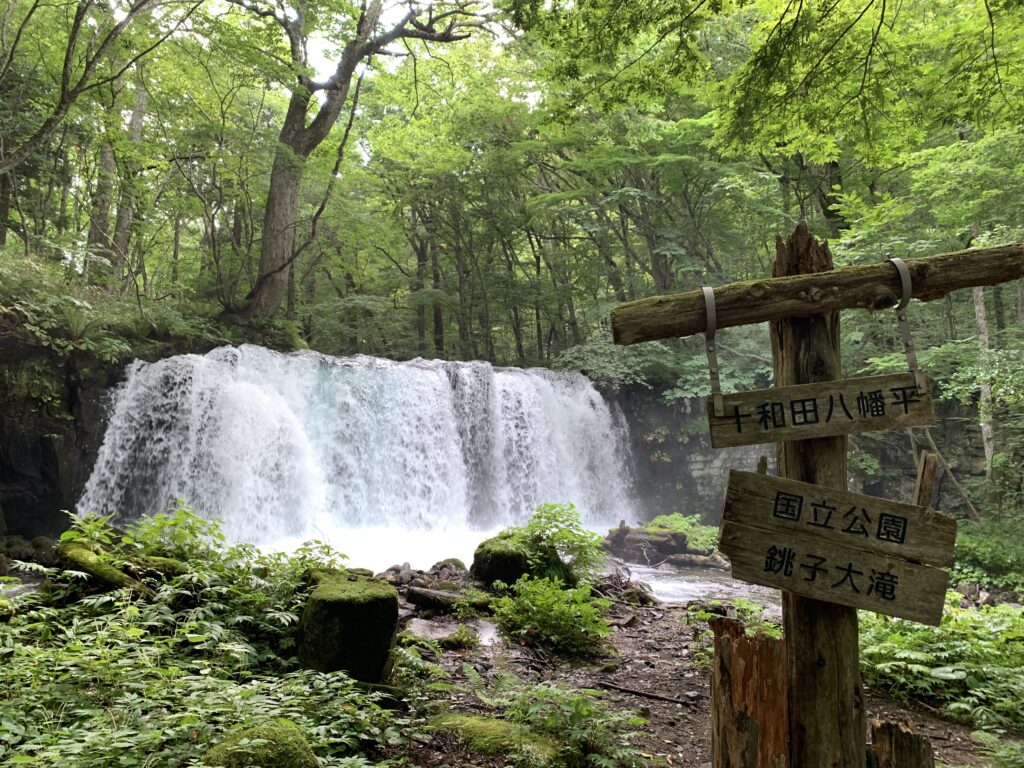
(98, 239)
(129, 171)
(176, 250)
(748, 698)
(435, 267)
(987, 431)
(826, 709)
(278, 231)
(5, 206)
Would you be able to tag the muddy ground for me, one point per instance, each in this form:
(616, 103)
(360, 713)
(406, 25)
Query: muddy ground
(656, 651)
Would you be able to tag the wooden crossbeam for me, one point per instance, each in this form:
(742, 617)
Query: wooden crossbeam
(868, 287)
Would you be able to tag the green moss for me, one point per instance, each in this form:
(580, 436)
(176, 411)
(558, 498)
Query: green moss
(77, 556)
(6, 610)
(501, 558)
(279, 744)
(349, 624)
(461, 639)
(491, 736)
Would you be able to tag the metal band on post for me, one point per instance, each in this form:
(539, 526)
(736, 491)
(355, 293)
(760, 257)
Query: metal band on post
(709, 343)
(901, 315)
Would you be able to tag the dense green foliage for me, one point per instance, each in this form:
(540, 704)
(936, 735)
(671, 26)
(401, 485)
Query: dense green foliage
(547, 614)
(971, 665)
(987, 555)
(557, 546)
(106, 680)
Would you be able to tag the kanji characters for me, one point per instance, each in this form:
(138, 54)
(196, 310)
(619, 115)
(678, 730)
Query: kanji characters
(848, 571)
(883, 584)
(891, 528)
(771, 415)
(788, 506)
(804, 411)
(779, 560)
(859, 520)
(871, 403)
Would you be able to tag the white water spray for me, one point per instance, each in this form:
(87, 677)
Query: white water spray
(283, 448)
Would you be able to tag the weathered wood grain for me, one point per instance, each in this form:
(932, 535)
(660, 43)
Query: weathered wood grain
(841, 518)
(822, 409)
(876, 286)
(749, 728)
(895, 745)
(824, 570)
(826, 719)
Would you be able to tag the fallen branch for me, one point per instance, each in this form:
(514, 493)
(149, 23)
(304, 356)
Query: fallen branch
(645, 694)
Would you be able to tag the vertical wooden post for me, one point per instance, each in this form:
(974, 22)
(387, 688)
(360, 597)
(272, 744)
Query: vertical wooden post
(748, 699)
(826, 701)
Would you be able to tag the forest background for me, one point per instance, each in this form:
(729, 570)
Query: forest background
(462, 181)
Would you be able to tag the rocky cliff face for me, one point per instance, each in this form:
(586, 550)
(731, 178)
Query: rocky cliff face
(48, 447)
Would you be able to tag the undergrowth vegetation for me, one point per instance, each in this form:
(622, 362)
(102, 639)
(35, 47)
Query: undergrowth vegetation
(552, 606)
(546, 614)
(971, 666)
(107, 680)
(986, 554)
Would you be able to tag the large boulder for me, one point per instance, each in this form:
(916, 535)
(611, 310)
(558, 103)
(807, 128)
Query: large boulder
(279, 744)
(349, 623)
(501, 558)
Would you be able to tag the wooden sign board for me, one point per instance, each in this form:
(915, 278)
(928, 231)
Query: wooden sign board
(824, 409)
(837, 546)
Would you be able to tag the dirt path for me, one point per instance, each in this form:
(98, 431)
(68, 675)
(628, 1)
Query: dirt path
(656, 651)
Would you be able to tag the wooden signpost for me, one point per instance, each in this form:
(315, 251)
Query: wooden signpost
(809, 414)
(803, 411)
(838, 546)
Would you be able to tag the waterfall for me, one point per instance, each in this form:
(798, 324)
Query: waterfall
(284, 447)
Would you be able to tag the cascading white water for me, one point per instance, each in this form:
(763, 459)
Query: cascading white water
(289, 447)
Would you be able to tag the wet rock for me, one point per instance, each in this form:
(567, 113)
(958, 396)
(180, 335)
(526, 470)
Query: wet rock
(349, 625)
(18, 548)
(44, 551)
(500, 558)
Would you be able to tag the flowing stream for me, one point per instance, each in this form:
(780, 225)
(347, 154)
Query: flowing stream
(388, 462)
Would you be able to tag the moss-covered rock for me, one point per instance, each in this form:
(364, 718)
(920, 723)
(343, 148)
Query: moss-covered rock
(349, 623)
(461, 639)
(78, 556)
(491, 736)
(501, 558)
(19, 548)
(6, 610)
(279, 744)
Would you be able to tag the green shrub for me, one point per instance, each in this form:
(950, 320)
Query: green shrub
(697, 534)
(541, 613)
(971, 665)
(108, 680)
(990, 553)
(558, 546)
(587, 732)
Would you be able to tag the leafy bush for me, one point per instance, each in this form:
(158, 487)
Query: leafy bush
(540, 612)
(558, 546)
(697, 534)
(985, 553)
(110, 681)
(587, 732)
(972, 664)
